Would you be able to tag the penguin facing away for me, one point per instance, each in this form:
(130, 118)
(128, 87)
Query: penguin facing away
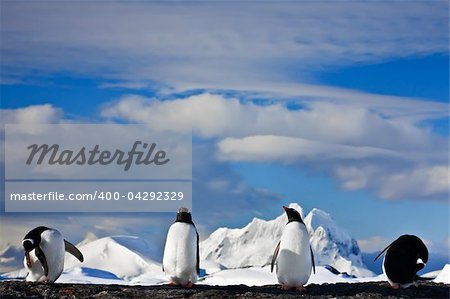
(403, 259)
(44, 254)
(293, 255)
(181, 260)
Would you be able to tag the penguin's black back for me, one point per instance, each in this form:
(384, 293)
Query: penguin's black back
(400, 262)
(293, 215)
(185, 217)
(35, 233)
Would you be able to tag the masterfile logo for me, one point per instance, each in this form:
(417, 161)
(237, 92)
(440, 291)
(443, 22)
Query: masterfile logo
(96, 168)
(52, 155)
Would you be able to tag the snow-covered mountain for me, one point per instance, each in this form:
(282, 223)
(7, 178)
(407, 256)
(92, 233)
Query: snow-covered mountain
(253, 245)
(116, 259)
(133, 259)
(333, 245)
(11, 258)
(127, 257)
(128, 260)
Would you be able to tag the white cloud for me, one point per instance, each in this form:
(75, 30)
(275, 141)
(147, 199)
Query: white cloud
(219, 193)
(227, 182)
(358, 145)
(406, 109)
(214, 115)
(343, 161)
(422, 181)
(126, 85)
(36, 114)
(417, 181)
(373, 244)
(263, 148)
(195, 45)
(354, 178)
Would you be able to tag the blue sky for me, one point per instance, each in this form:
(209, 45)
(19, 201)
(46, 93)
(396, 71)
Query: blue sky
(339, 107)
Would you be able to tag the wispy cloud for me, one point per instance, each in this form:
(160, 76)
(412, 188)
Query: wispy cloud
(222, 44)
(261, 148)
(125, 85)
(320, 119)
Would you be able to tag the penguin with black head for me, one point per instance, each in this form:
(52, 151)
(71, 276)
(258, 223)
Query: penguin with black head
(181, 261)
(403, 259)
(44, 254)
(293, 255)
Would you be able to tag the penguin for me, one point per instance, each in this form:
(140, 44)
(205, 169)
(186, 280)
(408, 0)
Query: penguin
(181, 260)
(403, 259)
(44, 254)
(293, 254)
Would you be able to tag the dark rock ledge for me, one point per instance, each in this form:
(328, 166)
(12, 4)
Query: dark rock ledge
(20, 289)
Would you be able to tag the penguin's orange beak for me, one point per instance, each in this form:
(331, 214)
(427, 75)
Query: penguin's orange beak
(27, 255)
(285, 208)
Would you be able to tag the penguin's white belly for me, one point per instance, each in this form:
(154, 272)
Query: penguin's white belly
(35, 272)
(180, 253)
(294, 262)
(52, 245)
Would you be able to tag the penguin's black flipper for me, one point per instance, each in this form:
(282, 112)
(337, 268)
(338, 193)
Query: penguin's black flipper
(198, 254)
(419, 267)
(275, 255)
(419, 278)
(41, 257)
(312, 259)
(70, 248)
(382, 252)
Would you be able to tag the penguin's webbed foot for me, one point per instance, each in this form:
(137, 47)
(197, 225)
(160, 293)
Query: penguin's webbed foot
(44, 279)
(395, 286)
(300, 288)
(172, 283)
(285, 287)
(189, 285)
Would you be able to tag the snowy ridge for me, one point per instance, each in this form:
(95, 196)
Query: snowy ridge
(124, 256)
(11, 258)
(333, 245)
(240, 248)
(444, 275)
(253, 245)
